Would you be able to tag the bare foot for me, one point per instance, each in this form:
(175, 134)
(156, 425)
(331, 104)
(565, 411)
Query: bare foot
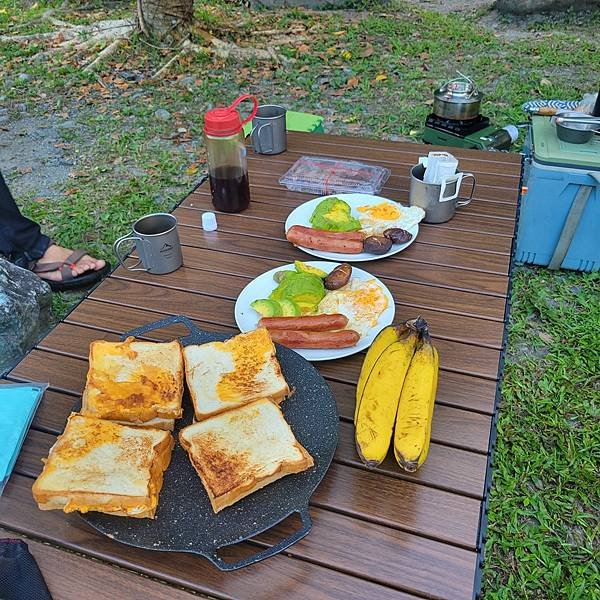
(56, 253)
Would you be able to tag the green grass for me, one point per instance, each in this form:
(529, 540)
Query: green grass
(544, 505)
(544, 509)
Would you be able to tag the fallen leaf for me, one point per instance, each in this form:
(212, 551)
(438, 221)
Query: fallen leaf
(24, 170)
(338, 93)
(545, 81)
(192, 169)
(381, 77)
(545, 337)
(302, 48)
(70, 191)
(40, 199)
(368, 51)
(352, 82)
(424, 55)
(338, 33)
(63, 145)
(346, 55)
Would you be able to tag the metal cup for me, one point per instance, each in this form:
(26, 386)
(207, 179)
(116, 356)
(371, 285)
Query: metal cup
(156, 242)
(438, 201)
(268, 130)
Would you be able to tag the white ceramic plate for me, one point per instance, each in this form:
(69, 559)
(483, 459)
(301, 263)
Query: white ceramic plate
(247, 318)
(301, 216)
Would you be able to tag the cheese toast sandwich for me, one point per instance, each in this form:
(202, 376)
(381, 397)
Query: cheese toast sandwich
(242, 450)
(98, 465)
(223, 375)
(135, 383)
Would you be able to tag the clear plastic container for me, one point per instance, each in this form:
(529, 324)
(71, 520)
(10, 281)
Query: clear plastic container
(319, 175)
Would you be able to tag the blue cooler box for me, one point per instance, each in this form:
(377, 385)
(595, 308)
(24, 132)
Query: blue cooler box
(560, 209)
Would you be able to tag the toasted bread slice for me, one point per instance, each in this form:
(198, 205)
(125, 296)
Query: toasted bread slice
(224, 375)
(135, 382)
(242, 450)
(102, 466)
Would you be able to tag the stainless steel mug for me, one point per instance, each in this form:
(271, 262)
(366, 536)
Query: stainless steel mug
(438, 201)
(268, 130)
(157, 244)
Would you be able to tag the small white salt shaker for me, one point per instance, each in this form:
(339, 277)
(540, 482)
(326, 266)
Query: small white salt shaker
(209, 221)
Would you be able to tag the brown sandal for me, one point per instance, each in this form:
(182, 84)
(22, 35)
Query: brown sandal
(68, 281)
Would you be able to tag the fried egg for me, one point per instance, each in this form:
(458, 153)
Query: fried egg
(362, 301)
(376, 218)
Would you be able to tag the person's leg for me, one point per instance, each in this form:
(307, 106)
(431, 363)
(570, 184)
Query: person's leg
(22, 242)
(20, 238)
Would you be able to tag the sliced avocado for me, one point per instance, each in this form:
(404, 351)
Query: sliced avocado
(267, 308)
(289, 308)
(279, 275)
(304, 268)
(306, 307)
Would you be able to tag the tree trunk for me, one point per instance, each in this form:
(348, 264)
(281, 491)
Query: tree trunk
(166, 20)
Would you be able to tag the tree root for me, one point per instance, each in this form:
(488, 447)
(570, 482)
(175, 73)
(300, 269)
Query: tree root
(104, 54)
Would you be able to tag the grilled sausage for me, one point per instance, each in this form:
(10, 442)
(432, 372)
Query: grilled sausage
(307, 323)
(315, 339)
(347, 242)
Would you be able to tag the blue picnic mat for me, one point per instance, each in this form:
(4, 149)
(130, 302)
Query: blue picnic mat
(18, 403)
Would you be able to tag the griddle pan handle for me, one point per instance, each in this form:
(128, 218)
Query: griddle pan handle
(159, 324)
(268, 552)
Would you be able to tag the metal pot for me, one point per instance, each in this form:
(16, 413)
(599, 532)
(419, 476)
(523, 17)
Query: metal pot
(572, 131)
(457, 99)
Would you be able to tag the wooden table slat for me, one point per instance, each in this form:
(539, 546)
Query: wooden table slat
(70, 576)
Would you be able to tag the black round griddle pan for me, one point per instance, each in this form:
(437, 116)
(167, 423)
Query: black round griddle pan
(185, 521)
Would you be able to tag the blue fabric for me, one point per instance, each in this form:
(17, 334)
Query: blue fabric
(18, 404)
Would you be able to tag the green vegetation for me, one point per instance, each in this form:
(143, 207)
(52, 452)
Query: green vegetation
(368, 73)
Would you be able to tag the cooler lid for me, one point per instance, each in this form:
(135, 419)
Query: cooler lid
(548, 149)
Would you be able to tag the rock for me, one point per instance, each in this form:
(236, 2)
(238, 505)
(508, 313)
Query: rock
(162, 114)
(21, 107)
(187, 82)
(4, 119)
(527, 7)
(25, 77)
(25, 302)
(67, 125)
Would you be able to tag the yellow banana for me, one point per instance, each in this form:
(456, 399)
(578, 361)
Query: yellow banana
(386, 337)
(379, 400)
(415, 409)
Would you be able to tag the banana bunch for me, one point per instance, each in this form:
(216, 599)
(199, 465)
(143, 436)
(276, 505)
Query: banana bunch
(395, 396)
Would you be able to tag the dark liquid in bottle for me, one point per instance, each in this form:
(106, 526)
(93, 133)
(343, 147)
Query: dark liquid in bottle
(230, 190)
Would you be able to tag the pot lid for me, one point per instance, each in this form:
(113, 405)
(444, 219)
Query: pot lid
(460, 90)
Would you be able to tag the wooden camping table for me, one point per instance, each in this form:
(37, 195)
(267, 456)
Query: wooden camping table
(377, 534)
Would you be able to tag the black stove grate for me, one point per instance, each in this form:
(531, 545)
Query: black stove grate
(460, 127)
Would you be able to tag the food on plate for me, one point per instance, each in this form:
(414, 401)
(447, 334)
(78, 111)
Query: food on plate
(327, 241)
(242, 450)
(303, 267)
(412, 432)
(223, 375)
(376, 218)
(339, 277)
(304, 289)
(386, 337)
(377, 244)
(380, 397)
(135, 382)
(344, 338)
(333, 214)
(98, 465)
(306, 323)
(267, 307)
(362, 301)
(398, 235)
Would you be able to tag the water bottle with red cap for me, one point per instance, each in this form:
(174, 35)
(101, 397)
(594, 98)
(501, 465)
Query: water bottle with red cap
(227, 166)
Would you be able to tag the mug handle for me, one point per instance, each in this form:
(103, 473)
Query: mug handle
(120, 257)
(258, 139)
(465, 201)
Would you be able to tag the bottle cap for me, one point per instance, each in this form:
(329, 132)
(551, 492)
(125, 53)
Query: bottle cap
(209, 221)
(223, 122)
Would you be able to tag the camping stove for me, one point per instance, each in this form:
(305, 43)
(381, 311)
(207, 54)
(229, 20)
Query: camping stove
(456, 120)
